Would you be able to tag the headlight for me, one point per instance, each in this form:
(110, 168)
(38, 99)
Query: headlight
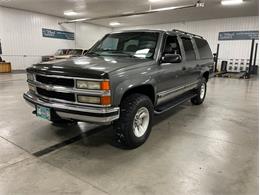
(88, 99)
(30, 76)
(103, 100)
(94, 85)
(88, 84)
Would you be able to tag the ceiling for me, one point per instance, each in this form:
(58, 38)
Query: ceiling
(95, 8)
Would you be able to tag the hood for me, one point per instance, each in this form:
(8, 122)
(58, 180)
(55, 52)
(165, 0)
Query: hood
(85, 67)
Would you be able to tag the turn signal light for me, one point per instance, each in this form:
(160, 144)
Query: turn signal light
(105, 100)
(105, 85)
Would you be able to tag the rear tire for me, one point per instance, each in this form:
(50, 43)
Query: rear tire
(201, 93)
(135, 122)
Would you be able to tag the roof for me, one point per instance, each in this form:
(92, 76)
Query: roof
(174, 31)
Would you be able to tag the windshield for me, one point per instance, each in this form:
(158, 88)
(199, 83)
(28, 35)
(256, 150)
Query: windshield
(131, 44)
(76, 52)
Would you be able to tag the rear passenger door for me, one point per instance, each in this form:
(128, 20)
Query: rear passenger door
(191, 69)
(205, 60)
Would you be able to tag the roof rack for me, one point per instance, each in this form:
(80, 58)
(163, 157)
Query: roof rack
(186, 33)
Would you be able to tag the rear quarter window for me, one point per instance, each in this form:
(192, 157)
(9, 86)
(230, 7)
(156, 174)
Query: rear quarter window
(203, 48)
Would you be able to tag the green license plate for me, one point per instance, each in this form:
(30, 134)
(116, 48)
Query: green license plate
(43, 112)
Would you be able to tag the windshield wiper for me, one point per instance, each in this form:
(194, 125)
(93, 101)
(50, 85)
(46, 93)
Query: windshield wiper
(92, 53)
(112, 52)
(124, 53)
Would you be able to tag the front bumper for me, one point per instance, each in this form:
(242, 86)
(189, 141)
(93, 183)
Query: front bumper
(76, 112)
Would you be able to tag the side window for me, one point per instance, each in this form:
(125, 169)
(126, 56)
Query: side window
(188, 48)
(172, 46)
(203, 48)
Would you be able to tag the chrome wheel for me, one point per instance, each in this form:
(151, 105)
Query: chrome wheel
(202, 90)
(141, 122)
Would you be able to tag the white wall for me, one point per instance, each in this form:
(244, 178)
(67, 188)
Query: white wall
(22, 41)
(209, 29)
(88, 34)
(21, 35)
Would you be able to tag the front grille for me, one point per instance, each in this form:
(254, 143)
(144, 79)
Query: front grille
(56, 95)
(55, 81)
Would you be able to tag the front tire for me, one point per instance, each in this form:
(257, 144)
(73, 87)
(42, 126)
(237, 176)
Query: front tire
(135, 122)
(201, 93)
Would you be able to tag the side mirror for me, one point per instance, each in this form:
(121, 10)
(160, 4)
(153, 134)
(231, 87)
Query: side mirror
(171, 58)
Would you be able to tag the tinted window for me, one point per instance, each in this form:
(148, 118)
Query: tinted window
(203, 48)
(172, 46)
(188, 48)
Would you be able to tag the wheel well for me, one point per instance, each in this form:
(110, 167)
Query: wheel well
(206, 76)
(147, 90)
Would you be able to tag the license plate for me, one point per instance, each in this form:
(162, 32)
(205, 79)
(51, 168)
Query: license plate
(43, 112)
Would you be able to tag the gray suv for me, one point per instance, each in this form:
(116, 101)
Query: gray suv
(124, 79)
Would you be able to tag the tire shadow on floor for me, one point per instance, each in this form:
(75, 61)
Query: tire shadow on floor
(106, 134)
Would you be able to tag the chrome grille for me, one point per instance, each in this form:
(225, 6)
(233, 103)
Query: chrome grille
(66, 82)
(57, 88)
(56, 95)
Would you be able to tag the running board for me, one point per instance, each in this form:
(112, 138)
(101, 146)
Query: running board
(177, 101)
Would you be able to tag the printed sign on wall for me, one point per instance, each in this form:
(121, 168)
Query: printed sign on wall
(57, 34)
(238, 35)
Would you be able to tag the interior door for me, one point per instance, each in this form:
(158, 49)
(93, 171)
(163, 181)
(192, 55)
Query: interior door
(170, 82)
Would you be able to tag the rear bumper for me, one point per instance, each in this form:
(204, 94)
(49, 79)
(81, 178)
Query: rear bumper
(76, 112)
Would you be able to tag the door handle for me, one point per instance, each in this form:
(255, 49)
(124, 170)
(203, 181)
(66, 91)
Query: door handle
(183, 68)
(197, 65)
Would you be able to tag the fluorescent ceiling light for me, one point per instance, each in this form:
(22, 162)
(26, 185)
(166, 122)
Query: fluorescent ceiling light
(231, 2)
(114, 23)
(70, 13)
(153, 1)
(80, 20)
(164, 9)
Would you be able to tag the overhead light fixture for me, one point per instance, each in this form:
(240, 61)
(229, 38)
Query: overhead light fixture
(114, 23)
(154, 1)
(70, 13)
(80, 20)
(231, 2)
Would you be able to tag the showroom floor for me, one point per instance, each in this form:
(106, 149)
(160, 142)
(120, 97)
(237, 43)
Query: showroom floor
(208, 149)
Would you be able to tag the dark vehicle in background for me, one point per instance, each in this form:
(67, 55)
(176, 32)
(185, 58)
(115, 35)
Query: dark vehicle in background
(124, 79)
(64, 54)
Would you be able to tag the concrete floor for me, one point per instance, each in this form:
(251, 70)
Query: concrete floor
(207, 149)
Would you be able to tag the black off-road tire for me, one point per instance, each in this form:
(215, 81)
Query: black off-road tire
(124, 126)
(197, 100)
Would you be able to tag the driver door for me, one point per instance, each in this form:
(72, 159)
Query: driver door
(170, 81)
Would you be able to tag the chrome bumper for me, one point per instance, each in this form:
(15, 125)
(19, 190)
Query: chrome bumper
(76, 112)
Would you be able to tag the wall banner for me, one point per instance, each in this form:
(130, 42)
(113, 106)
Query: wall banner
(57, 34)
(238, 35)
